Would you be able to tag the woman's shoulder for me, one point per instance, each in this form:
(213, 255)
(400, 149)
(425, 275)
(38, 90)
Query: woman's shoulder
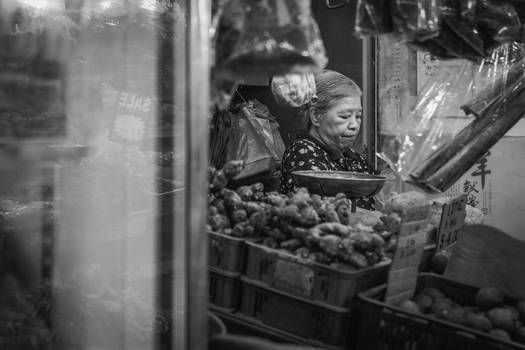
(303, 143)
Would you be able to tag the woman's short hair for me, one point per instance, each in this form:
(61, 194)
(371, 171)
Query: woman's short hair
(330, 87)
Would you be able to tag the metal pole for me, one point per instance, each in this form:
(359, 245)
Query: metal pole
(370, 125)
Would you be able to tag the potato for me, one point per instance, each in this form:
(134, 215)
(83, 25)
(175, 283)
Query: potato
(257, 187)
(218, 181)
(218, 222)
(270, 242)
(291, 244)
(245, 192)
(303, 252)
(258, 221)
(233, 168)
(330, 244)
(308, 217)
(358, 260)
(239, 215)
(232, 200)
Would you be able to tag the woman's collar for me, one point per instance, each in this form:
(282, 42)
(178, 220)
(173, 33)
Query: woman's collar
(332, 153)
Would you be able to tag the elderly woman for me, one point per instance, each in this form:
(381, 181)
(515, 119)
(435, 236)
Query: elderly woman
(334, 119)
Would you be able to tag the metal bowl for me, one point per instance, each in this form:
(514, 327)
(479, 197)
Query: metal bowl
(330, 183)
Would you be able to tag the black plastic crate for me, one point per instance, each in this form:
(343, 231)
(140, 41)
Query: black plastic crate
(303, 278)
(384, 326)
(224, 289)
(226, 252)
(317, 323)
(241, 325)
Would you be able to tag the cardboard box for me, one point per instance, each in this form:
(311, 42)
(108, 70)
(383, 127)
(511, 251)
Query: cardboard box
(496, 185)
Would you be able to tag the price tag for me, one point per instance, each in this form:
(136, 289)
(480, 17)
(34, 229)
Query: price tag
(402, 278)
(452, 221)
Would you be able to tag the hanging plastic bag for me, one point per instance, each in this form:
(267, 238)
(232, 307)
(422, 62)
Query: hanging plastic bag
(435, 149)
(254, 138)
(433, 119)
(458, 36)
(293, 90)
(416, 19)
(492, 75)
(373, 17)
(467, 10)
(275, 37)
(498, 22)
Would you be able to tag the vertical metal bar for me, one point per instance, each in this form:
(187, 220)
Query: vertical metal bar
(165, 201)
(370, 125)
(48, 239)
(198, 100)
(180, 236)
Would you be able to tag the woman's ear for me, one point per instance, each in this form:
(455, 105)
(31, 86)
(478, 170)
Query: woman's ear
(315, 117)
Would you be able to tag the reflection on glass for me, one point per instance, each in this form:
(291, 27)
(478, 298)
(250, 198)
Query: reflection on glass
(85, 172)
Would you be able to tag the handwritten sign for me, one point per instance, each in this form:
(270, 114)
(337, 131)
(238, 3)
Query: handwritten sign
(402, 278)
(452, 221)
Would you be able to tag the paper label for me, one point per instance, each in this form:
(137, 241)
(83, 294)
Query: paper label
(409, 250)
(402, 278)
(452, 221)
(402, 284)
(293, 277)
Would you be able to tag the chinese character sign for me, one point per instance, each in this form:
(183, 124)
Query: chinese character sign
(452, 220)
(477, 185)
(402, 278)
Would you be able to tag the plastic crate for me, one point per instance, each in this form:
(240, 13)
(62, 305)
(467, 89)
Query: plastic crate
(316, 323)
(383, 326)
(224, 289)
(307, 279)
(226, 252)
(241, 325)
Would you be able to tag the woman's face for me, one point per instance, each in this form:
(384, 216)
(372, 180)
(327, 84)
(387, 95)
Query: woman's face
(339, 126)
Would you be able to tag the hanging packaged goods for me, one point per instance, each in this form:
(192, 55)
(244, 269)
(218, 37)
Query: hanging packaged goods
(447, 29)
(293, 90)
(266, 38)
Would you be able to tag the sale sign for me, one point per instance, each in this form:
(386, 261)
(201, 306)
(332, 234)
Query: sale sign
(133, 114)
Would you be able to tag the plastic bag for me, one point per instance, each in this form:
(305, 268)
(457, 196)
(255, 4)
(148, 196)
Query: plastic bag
(373, 17)
(416, 19)
(275, 37)
(433, 119)
(435, 147)
(458, 37)
(293, 90)
(500, 69)
(467, 10)
(254, 138)
(498, 22)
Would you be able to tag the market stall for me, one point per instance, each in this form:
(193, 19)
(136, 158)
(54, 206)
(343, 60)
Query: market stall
(170, 176)
(319, 271)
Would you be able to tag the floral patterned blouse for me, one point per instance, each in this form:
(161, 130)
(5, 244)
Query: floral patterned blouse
(307, 153)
